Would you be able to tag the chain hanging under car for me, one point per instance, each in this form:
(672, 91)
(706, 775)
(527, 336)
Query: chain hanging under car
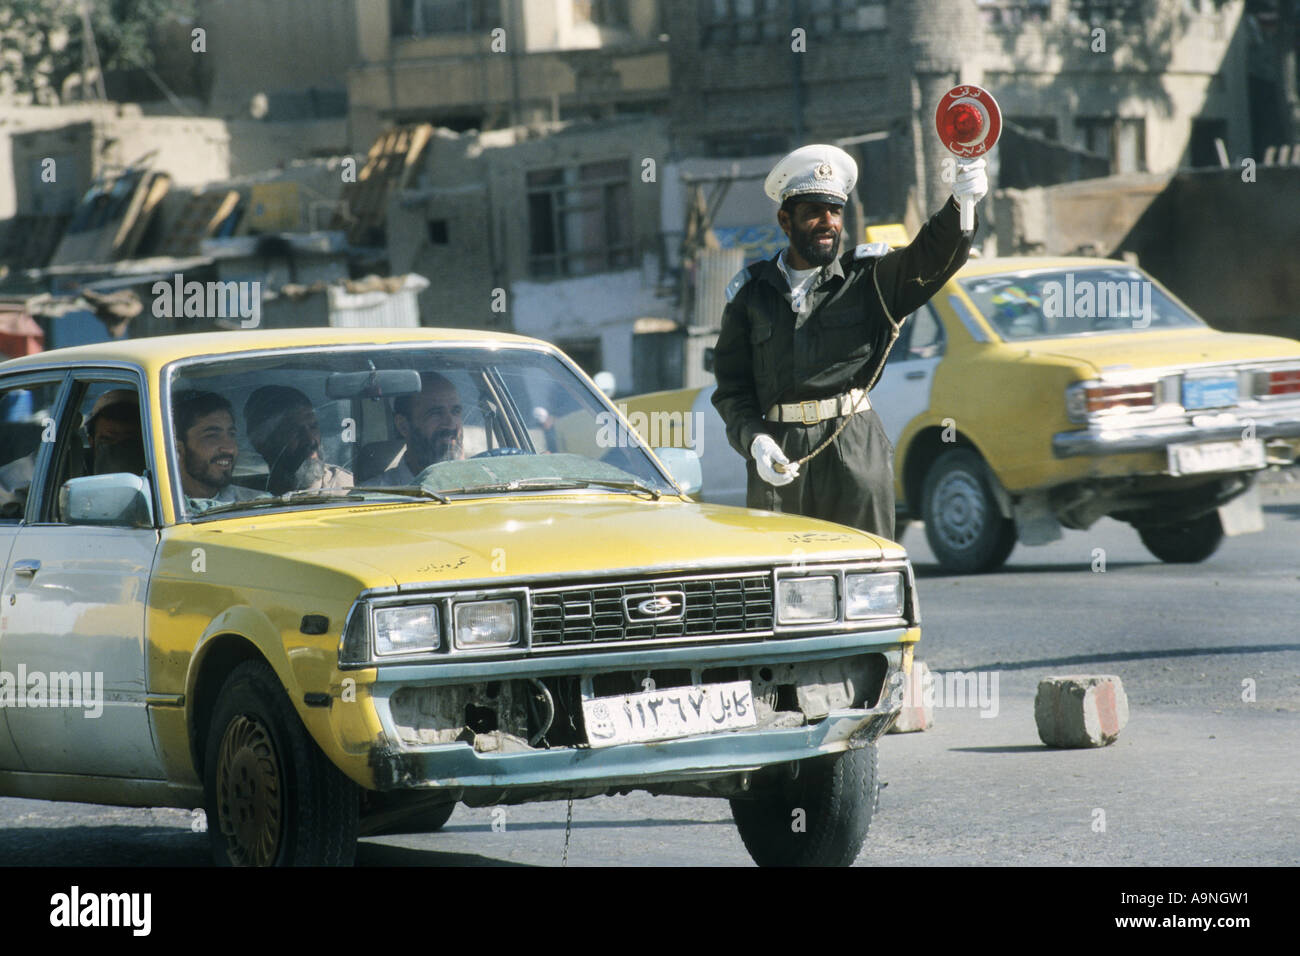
(568, 827)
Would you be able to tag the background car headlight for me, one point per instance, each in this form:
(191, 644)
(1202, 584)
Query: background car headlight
(806, 600)
(487, 624)
(406, 630)
(873, 595)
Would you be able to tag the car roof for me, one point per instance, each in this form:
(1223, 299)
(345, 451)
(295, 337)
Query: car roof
(153, 352)
(996, 264)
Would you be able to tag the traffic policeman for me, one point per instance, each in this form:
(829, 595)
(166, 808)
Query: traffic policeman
(805, 336)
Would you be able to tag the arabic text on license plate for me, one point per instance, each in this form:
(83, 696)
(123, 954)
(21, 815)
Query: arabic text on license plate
(1216, 456)
(1209, 392)
(672, 712)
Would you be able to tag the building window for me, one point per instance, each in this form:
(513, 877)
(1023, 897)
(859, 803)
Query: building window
(580, 219)
(419, 18)
(1009, 13)
(1098, 12)
(733, 22)
(1122, 141)
(603, 13)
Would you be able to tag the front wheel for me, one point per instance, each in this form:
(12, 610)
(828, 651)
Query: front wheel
(1187, 542)
(965, 529)
(820, 818)
(274, 798)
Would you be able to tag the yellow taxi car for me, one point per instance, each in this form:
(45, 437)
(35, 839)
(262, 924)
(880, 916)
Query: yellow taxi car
(1035, 394)
(325, 583)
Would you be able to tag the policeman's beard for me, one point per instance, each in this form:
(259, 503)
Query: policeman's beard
(805, 245)
(309, 473)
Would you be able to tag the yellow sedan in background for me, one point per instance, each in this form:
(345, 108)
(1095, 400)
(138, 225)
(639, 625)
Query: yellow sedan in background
(1036, 394)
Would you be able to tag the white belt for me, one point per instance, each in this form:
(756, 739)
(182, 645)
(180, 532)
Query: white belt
(812, 412)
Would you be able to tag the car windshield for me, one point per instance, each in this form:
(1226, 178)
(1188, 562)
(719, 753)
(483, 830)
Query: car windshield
(1054, 303)
(319, 426)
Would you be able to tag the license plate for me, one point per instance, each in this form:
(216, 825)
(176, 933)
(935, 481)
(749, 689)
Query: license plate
(1209, 392)
(673, 712)
(1216, 456)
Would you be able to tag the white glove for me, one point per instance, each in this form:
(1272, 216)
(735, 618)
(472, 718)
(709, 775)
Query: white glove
(972, 181)
(767, 453)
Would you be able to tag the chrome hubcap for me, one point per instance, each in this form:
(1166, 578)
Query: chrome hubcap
(959, 510)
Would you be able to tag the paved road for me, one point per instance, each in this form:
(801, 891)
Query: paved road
(1200, 776)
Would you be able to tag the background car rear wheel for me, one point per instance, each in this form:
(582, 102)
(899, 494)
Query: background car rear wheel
(274, 799)
(837, 795)
(1187, 542)
(965, 529)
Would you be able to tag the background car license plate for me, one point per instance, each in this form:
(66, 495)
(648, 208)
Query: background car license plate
(1216, 456)
(672, 712)
(1209, 392)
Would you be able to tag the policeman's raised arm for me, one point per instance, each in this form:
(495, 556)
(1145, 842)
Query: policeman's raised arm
(908, 277)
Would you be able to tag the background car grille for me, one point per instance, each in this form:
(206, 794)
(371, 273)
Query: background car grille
(593, 614)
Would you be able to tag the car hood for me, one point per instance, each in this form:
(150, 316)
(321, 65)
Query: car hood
(526, 537)
(1161, 349)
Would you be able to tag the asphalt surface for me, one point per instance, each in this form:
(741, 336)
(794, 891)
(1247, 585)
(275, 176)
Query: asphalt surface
(1199, 776)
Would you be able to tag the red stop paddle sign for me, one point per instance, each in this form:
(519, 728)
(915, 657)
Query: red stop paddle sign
(969, 124)
(968, 120)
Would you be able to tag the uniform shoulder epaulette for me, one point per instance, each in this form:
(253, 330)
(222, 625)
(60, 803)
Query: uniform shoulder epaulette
(738, 282)
(870, 250)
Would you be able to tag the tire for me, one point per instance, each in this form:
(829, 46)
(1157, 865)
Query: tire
(962, 523)
(838, 796)
(1187, 542)
(273, 797)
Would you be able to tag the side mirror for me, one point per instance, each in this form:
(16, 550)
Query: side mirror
(119, 499)
(708, 359)
(684, 465)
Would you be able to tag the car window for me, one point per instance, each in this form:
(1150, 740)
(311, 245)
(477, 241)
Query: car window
(102, 433)
(307, 428)
(927, 335)
(26, 424)
(1053, 303)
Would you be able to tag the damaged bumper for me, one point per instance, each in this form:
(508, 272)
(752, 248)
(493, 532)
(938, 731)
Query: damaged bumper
(843, 696)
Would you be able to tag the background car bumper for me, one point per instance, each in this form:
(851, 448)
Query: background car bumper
(1155, 438)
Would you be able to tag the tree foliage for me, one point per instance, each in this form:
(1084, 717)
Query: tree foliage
(42, 41)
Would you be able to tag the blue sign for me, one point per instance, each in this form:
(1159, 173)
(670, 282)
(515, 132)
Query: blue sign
(1209, 392)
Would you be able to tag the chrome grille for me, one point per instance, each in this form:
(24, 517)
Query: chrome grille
(726, 605)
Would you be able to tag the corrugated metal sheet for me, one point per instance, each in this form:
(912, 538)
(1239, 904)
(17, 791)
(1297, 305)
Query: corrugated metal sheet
(714, 269)
(378, 309)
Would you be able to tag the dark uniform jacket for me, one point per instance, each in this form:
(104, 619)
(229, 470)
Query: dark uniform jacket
(767, 354)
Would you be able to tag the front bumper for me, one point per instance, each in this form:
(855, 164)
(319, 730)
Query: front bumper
(459, 766)
(1096, 441)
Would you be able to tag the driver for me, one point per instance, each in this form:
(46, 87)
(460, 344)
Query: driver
(283, 427)
(430, 421)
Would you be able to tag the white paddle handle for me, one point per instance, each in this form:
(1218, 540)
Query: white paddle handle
(967, 216)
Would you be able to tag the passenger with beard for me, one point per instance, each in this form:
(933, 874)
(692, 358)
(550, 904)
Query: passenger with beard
(805, 336)
(431, 422)
(207, 447)
(283, 428)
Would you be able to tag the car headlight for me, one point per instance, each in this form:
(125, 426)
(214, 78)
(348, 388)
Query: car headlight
(806, 600)
(873, 595)
(487, 624)
(406, 629)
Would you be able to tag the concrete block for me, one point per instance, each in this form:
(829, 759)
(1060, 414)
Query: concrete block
(1080, 710)
(918, 701)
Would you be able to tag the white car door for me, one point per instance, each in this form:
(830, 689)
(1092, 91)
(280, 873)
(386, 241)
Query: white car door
(75, 600)
(722, 466)
(27, 407)
(903, 390)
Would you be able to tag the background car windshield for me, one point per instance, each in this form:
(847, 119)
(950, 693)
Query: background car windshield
(1049, 304)
(451, 419)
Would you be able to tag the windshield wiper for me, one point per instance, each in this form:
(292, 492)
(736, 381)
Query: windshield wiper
(310, 497)
(408, 491)
(533, 484)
